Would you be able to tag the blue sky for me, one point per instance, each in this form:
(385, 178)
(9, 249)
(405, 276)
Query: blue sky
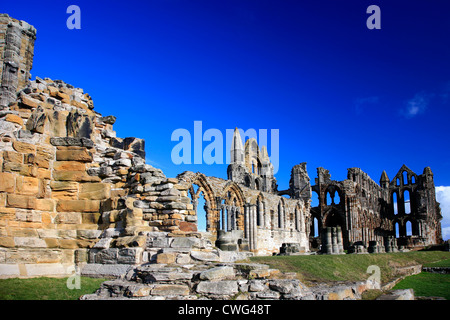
(340, 95)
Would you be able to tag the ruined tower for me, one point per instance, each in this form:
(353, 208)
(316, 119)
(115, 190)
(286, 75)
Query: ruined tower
(16, 55)
(250, 165)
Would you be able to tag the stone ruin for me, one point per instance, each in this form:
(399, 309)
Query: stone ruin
(73, 195)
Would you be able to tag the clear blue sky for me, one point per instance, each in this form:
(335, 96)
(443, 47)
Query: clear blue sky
(340, 94)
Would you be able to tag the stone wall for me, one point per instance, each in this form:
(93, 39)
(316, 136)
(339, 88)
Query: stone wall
(67, 180)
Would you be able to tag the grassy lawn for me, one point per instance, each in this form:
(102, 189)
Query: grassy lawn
(349, 267)
(45, 288)
(427, 284)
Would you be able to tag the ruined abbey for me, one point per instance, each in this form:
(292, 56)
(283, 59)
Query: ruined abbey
(72, 193)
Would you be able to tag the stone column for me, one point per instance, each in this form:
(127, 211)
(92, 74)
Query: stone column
(339, 240)
(224, 226)
(328, 245)
(228, 218)
(334, 244)
(254, 228)
(246, 222)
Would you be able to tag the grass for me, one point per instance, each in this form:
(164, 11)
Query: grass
(351, 267)
(45, 288)
(427, 284)
(443, 263)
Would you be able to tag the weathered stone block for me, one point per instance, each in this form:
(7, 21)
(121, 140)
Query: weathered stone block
(72, 141)
(68, 218)
(218, 287)
(24, 147)
(30, 242)
(166, 258)
(45, 205)
(205, 256)
(27, 186)
(218, 273)
(14, 119)
(170, 290)
(21, 201)
(95, 191)
(82, 155)
(7, 182)
(11, 156)
(78, 206)
(69, 166)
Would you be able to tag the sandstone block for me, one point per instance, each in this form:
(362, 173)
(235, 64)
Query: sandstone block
(45, 205)
(27, 186)
(166, 258)
(218, 287)
(24, 147)
(188, 226)
(14, 119)
(82, 155)
(218, 273)
(95, 191)
(170, 290)
(68, 218)
(29, 102)
(21, 201)
(30, 242)
(11, 156)
(7, 183)
(81, 176)
(69, 166)
(78, 206)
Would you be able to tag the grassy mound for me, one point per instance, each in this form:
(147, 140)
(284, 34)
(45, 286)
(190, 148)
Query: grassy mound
(45, 288)
(350, 267)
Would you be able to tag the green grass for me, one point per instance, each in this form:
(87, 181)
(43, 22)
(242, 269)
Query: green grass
(443, 263)
(427, 284)
(45, 288)
(351, 267)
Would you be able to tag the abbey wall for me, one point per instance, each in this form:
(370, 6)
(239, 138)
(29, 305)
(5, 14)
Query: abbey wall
(72, 193)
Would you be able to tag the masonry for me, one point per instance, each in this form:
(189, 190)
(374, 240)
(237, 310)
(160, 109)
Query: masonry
(72, 193)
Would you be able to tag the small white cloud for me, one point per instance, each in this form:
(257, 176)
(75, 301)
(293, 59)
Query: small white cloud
(417, 105)
(443, 197)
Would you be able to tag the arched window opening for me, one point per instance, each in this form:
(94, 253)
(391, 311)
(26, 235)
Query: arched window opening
(258, 213)
(413, 179)
(280, 212)
(223, 215)
(395, 202)
(257, 187)
(315, 199)
(253, 168)
(398, 182)
(337, 198)
(201, 213)
(405, 178)
(296, 219)
(328, 199)
(408, 228)
(397, 230)
(407, 201)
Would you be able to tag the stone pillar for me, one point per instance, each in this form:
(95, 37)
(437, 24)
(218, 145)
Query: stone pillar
(254, 227)
(339, 240)
(228, 218)
(224, 226)
(246, 220)
(328, 243)
(334, 245)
